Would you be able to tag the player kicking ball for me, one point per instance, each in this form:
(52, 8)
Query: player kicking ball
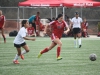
(20, 42)
(57, 29)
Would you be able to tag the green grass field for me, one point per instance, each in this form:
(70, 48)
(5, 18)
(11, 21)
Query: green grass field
(75, 60)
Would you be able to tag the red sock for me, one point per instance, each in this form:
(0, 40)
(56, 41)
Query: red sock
(45, 50)
(58, 51)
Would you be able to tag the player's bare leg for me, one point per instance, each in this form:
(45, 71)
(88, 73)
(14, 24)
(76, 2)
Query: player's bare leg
(26, 49)
(2, 32)
(59, 44)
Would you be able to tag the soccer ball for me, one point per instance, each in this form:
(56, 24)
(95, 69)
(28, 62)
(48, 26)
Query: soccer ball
(93, 57)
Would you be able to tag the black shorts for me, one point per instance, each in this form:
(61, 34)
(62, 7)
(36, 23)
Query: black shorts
(76, 30)
(19, 45)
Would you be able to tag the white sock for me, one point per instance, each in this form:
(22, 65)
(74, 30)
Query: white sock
(79, 41)
(23, 52)
(75, 42)
(16, 57)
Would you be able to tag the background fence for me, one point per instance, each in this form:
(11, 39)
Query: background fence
(14, 14)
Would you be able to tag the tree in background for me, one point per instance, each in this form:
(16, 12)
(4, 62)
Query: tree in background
(6, 3)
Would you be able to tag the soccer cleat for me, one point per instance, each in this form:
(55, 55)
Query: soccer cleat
(39, 55)
(59, 58)
(22, 57)
(80, 46)
(15, 62)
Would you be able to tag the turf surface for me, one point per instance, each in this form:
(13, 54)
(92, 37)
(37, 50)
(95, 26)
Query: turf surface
(75, 60)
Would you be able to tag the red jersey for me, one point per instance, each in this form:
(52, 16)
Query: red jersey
(84, 25)
(2, 20)
(30, 30)
(37, 20)
(57, 28)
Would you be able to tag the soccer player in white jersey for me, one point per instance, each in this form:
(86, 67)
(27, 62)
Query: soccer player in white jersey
(20, 42)
(76, 24)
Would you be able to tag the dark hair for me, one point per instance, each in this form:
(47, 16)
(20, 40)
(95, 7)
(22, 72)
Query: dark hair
(48, 20)
(53, 18)
(67, 17)
(23, 22)
(76, 13)
(60, 15)
(38, 12)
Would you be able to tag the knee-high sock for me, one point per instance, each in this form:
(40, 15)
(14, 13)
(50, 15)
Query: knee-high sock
(58, 51)
(79, 41)
(16, 57)
(45, 50)
(75, 42)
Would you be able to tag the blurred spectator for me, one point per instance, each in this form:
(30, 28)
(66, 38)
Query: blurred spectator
(37, 22)
(53, 19)
(31, 30)
(32, 20)
(68, 20)
(84, 28)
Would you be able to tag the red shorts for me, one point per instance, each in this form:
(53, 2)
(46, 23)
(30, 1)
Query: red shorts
(54, 37)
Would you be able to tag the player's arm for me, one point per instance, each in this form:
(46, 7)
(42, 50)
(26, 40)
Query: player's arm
(24, 35)
(45, 29)
(71, 23)
(67, 28)
(81, 22)
(27, 38)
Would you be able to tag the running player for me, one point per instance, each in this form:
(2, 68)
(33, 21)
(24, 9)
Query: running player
(76, 24)
(57, 29)
(2, 24)
(20, 42)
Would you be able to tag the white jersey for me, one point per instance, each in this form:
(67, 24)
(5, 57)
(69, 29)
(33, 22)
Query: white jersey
(19, 38)
(76, 22)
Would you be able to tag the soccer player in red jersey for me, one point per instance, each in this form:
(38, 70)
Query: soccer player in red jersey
(57, 29)
(2, 24)
(31, 30)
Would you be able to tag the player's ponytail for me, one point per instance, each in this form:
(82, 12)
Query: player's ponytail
(23, 22)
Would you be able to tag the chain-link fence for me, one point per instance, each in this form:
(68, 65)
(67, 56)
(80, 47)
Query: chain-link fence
(14, 14)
